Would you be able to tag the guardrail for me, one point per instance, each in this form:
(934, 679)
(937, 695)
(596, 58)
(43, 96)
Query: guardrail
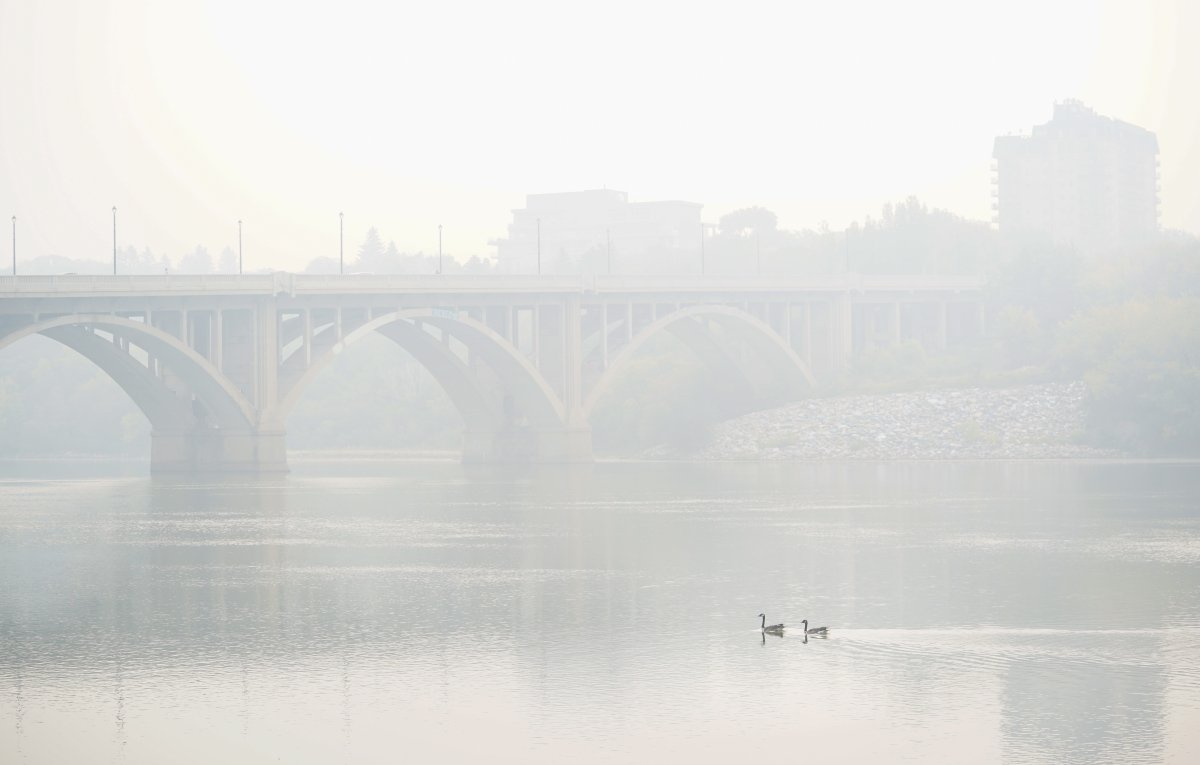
(431, 283)
(361, 284)
(136, 284)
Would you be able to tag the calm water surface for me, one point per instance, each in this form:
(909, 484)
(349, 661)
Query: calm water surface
(373, 612)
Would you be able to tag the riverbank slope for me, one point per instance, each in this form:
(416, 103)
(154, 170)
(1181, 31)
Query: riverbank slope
(1041, 421)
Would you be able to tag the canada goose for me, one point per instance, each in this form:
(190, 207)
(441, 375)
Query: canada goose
(814, 630)
(772, 628)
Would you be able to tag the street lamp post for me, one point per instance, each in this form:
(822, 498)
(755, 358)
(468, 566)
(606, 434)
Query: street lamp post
(846, 258)
(439, 248)
(114, 240)
(14, 222)
(539, 245)
(341, 244)
(239, 247)
(608, 246)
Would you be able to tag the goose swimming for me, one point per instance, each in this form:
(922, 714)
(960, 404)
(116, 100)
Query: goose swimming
(814, 630)
(772, 628)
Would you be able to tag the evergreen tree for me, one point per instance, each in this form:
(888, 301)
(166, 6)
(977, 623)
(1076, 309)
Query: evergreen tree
(228, 262)
(198, 262)
(370, 253)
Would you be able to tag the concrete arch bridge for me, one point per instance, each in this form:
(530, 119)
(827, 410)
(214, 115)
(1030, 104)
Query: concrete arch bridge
(217, 363)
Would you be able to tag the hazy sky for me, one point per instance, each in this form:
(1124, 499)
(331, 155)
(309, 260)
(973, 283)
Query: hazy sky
(188, 116)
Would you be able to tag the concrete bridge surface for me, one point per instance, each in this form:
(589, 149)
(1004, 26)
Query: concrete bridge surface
(217, 363)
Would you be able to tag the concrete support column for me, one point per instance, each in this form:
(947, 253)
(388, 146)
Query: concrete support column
(308, 337)
(266, 355)
(572, 440)
(941, 325)
(217, 341)
(151, 361)
(572, 338)
(604, 335)
(841, 327)
(807, 336)
(537, 334)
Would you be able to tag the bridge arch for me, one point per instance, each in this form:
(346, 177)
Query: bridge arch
(685, 323)
(165, 410)
(481, 410)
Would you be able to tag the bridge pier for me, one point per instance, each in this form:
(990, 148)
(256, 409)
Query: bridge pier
(213, 450)
(526, 444)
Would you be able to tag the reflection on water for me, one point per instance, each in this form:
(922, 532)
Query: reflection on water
(1002, 612)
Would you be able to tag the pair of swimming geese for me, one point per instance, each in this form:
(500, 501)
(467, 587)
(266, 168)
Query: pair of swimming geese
(777, 629)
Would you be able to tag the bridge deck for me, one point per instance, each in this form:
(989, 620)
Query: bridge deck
(280, 283)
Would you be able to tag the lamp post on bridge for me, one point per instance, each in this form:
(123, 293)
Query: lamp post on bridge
(439, 248)
(239, 246)
(14, 222)
(341, 244)
(608, 247)
(846, 257)
(114, 240)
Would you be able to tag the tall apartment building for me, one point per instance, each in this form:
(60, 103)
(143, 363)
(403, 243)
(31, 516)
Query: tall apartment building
(1082, 179)
(593, 231)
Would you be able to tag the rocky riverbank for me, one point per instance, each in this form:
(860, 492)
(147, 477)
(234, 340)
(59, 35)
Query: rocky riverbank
(1028, 422)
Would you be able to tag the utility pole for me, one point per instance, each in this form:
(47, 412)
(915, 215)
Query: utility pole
(341, 244)
(114, 240)
(846, 260)
(608, 245)
(439, 248)
(239, 247)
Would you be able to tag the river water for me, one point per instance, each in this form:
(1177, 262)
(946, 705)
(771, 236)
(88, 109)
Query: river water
(359, 611)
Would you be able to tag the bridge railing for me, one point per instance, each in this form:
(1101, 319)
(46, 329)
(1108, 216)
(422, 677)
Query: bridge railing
(782, 283)
(464, 284)
(432, 283)
(720, 283)
(136, 284)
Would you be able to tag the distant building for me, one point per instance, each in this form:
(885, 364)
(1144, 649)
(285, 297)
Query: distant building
(586, 231)
(1082, 179)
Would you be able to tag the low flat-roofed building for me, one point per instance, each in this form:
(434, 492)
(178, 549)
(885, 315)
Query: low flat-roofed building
(597, 231)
